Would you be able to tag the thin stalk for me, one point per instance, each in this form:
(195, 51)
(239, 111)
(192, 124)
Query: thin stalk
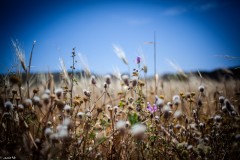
(28, 71)
(155, 68)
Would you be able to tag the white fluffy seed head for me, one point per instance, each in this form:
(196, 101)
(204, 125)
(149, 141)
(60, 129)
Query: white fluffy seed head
(45, 97)
(48, 131)
(88, 114)
(54, 136)
(176, 100)
(87, 93)
(63, 133)
(178, 114)
(170, 104)
(93, 80)
(128, 124)
(201, 88)
(28, 103)
(67, 108)
(115, 108)
(221, 99)
(80, 115)
(125, 79)
(21, 107)
(47, 91)
(8, 105)
(121, 125)
(166, 110)
(108, 79)
(159, 101)
(66, 122)
(138, 129)
(134, 81)
(217, 118)
(59, 92)
(36, 100)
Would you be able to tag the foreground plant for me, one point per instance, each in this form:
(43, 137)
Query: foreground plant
(112, 118)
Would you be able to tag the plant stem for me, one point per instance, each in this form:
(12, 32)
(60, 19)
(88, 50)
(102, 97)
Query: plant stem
(28, 71)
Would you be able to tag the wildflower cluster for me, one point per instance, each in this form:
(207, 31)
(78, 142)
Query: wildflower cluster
(104, 117)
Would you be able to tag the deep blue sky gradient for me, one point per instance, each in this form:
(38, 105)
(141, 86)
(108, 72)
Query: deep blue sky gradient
(193, 34)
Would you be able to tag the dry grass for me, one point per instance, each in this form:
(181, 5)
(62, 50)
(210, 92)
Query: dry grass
(110, 118)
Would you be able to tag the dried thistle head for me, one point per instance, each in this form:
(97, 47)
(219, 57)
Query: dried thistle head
(108, 79)
(14, 79)
(46, 98)
(201, 88)
(27, 103)
(60, 104)
(59, 92)
(8, 106)
(93, 80)
(125, 79)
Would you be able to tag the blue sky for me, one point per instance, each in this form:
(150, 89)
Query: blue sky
(192, 34)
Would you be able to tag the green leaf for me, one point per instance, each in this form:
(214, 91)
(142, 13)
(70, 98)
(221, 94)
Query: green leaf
(120, 104)
(92, 135)
(133, 118)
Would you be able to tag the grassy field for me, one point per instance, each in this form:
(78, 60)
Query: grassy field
(118, 117)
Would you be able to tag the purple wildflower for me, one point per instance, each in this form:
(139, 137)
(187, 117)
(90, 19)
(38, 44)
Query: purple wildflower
(150, 108)
(138, 59)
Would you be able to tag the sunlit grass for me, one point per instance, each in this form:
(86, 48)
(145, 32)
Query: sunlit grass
(107, 117)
